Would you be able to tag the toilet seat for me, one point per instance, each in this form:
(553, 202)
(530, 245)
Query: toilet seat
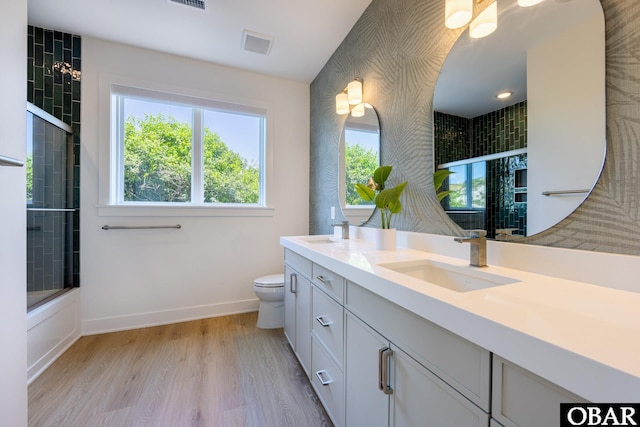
(270, 281)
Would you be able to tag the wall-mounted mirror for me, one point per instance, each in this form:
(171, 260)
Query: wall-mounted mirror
(359, 157)
(523, 163)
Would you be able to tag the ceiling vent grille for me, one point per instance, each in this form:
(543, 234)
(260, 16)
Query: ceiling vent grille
(198, 4)
(256, 42)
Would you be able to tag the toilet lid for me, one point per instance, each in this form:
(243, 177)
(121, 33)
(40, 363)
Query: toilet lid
(271, 281)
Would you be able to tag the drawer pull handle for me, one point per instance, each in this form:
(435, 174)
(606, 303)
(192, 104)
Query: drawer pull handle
(293, 277)
(383, 370)
(323, 322)
(322, 279)
(320, 374)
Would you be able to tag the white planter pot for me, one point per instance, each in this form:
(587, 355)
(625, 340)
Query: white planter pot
(386, 239)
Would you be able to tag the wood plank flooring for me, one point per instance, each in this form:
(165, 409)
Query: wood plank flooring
(214, 372)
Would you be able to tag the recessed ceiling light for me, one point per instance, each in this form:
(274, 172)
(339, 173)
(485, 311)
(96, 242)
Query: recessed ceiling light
(504, 95)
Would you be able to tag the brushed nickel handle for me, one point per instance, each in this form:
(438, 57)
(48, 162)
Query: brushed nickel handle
(324, 322)
(293, 277)
(320, 375)
(322, 279)
(384, 354)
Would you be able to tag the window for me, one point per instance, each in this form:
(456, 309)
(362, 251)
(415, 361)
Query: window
(177, 150)
(468, 186)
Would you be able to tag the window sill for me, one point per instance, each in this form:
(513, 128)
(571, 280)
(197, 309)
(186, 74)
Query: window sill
(185, 211)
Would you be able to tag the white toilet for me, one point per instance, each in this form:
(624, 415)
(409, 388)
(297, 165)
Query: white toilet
(270, 291)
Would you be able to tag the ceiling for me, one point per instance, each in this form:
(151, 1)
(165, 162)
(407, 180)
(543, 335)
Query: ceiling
(477, 69)
(305, 32)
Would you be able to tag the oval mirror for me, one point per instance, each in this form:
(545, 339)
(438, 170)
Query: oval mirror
(360, 156)
(522, 163)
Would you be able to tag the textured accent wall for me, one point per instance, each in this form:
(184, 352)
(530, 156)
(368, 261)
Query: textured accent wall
(398, 48)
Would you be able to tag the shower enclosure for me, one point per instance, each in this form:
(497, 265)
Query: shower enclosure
(50, 209)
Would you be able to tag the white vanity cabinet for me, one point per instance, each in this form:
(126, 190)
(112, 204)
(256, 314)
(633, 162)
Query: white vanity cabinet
(463, 365)
(366, 403)
(372, 362)
(385, 386)
(523, 399)
(297, 304)
(327, 341)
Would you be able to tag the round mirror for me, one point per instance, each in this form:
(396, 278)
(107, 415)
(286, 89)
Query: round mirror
(360, 156)
(523, 161)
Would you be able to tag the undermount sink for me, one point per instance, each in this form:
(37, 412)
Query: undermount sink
(455, 278)
(322, 239)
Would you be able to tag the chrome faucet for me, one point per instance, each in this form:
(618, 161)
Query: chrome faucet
(344, 225)
(478, 241)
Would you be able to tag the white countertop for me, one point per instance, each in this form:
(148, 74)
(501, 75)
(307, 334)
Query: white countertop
(583, 337)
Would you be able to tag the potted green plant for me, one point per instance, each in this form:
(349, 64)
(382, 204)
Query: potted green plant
(439, 178)
(387, 200)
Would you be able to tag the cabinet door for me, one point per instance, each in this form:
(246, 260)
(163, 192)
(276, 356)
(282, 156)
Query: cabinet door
(366, 404)
(303, 323)
(290, 277)
(297, 315)
(422, 399)
(523, 399)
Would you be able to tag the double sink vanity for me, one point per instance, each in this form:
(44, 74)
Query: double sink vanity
(415, 337)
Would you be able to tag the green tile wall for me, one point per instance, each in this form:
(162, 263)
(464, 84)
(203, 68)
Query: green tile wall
(503, 211)
(53, 84)
(458, 138)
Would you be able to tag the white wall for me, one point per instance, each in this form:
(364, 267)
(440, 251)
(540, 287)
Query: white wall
(13, 299)
(136, 278)
(566, 121)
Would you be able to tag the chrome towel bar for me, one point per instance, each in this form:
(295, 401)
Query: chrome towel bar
(138, 227)
(555, 193)
(50, 210)
(10, 161)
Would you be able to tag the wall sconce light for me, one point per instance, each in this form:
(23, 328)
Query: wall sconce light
(485, 23)
(351, 96)
(458, 13)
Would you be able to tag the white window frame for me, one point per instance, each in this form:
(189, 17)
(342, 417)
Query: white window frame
(111, 185)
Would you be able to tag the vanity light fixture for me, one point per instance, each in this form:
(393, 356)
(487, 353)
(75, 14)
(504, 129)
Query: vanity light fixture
(485, 23)
(358, 110)
(458, 13)
(350, 99)
(504, 95)
(354, 92)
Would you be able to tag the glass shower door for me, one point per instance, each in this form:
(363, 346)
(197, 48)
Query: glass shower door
(49, 207)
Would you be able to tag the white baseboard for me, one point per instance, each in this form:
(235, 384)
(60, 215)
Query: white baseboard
(144, 320)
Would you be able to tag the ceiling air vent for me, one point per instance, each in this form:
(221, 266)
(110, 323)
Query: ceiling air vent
(256, 42)
(198, 4)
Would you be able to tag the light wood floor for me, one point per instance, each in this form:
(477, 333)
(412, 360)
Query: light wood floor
(214, 372)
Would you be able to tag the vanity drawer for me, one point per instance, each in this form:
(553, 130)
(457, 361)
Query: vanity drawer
(328, 324)
(298, 263)
(327, 381)
(329, 282)
(522, 399)
(460, 363)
